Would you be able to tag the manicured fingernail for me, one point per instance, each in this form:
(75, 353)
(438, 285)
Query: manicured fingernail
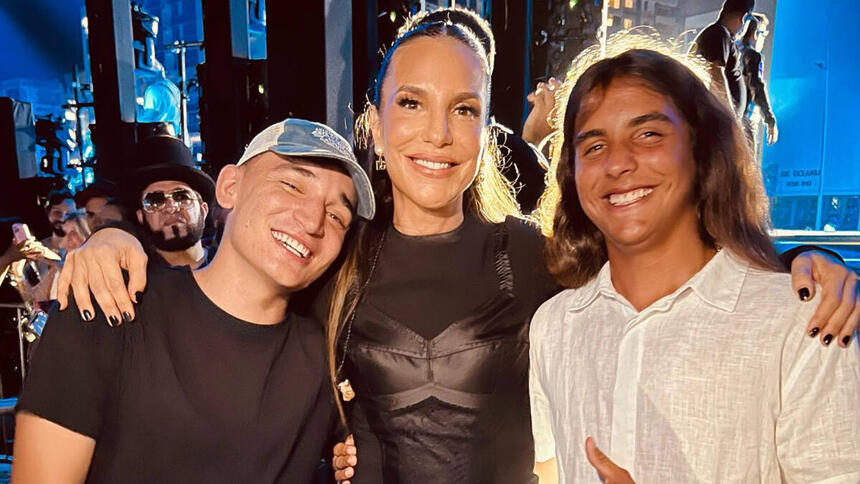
(126, 316)
(846, 340)
(87, 315)
(138, 297)
(113, 320)
(828, 338)
(803, 293)
(813, 332)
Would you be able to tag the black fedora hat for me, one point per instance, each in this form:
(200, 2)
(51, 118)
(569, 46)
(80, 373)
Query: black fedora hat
(160, 158)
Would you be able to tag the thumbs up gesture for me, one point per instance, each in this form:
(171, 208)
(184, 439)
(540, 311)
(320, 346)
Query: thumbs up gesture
(607, 470)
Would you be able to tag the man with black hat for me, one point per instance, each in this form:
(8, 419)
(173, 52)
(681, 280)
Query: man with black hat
(716, 43)
(220, 379)
(171, 198)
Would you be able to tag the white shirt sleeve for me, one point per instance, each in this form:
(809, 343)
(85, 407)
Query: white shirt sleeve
(818, 428)
(540, 410)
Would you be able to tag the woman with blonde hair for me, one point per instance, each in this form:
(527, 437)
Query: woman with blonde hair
(430, 311)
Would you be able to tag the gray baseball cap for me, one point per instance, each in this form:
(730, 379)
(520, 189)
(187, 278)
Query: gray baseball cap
(302, 138)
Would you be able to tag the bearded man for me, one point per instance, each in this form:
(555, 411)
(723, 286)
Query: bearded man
(171, 198)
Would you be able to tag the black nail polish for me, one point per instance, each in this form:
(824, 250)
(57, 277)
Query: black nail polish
(828, 338)
(138, 297)
(113, 320)
(813, 332)
(87, 315)
(126, 316)
(846, 340)
(803, 293)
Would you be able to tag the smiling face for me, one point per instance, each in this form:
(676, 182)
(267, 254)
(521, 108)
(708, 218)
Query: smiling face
(428, 126)
(634, 167)
(288, 218)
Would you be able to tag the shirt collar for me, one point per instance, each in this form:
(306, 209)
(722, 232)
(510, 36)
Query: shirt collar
(717, 284)
(600, 284)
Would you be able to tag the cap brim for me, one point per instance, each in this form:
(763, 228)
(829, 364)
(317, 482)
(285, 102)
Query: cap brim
(366, 202)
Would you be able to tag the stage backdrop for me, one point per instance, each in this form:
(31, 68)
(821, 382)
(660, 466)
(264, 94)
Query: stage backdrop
(813, 172)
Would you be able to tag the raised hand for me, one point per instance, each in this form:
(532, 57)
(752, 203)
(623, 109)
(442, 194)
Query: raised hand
(536, 127)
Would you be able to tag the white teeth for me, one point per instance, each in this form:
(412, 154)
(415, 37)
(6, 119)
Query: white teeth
(433, 165)
(291, 244)
(621, 199)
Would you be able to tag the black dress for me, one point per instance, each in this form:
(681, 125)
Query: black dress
(438, 357)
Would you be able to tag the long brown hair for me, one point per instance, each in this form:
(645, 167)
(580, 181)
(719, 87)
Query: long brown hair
(728, 189)
(491, 196)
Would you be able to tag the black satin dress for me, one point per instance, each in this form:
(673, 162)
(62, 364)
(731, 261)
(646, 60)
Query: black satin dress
(438, 357)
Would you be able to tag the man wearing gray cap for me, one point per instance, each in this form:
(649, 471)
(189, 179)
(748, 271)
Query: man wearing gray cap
(217, 380)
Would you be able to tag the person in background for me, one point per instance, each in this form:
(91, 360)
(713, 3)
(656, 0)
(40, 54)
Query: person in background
(758, 105)
(100, 202)
(171, 198)
(716, 44)
(63, 213)
(68, 232)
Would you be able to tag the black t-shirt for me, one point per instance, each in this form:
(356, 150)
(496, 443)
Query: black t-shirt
(716, 45)
(186, 392)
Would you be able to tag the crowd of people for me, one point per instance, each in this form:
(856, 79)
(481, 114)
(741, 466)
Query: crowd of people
(413, 325)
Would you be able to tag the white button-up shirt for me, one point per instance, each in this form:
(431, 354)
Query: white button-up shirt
(716, 382)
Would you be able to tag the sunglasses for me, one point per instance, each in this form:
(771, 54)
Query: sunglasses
(154, 201)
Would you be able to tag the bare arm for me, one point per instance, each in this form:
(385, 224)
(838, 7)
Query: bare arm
(11, 255)
(536, 126)
(758, 93)
(720, 84)
(47, 453)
